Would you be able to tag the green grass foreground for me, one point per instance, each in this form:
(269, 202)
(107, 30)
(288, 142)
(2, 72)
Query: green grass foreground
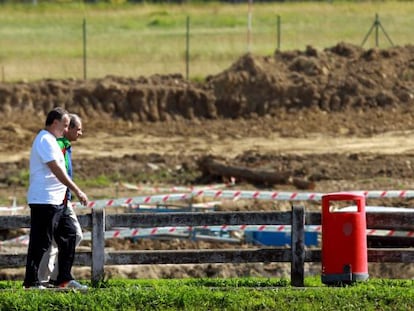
(215, 294)
(46, 40)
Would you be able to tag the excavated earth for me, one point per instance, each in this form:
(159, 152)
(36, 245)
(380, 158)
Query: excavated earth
(341, 119)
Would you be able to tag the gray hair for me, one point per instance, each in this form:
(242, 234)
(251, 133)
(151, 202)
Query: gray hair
(74, 120)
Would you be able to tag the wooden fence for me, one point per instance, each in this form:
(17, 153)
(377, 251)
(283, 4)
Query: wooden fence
(297, 254)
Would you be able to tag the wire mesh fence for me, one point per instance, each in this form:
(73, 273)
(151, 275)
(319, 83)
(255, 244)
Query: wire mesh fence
(80, 44)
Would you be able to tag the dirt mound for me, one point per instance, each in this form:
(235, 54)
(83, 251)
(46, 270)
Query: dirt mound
(335, 79)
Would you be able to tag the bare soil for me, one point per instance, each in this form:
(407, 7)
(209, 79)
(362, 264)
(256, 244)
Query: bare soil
(342, 118)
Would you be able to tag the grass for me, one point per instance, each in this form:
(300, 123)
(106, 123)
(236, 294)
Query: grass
(46, 41)
(215, 294)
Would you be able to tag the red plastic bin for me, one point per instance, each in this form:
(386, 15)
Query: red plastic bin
(344, 240)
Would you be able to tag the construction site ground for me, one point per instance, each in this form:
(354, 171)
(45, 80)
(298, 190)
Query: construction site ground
(341, 118)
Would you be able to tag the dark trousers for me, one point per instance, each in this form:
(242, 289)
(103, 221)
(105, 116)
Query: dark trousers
(47, 222)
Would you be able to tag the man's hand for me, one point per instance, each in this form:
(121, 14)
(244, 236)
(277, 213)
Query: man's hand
(65, 179)
(83, 198)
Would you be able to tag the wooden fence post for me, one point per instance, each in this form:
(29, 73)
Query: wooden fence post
(297, 269)
(98, 245)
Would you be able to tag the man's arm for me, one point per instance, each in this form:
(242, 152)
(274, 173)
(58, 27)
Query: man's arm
(65, 179)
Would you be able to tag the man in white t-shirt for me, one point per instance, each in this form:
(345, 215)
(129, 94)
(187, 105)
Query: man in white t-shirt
(49, 266)
(47, 188)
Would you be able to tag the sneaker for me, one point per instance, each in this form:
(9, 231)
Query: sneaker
(35, 287)
(48, 284)
(53, 283)
(72, 284)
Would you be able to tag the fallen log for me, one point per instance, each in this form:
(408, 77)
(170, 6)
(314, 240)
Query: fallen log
(210, 166)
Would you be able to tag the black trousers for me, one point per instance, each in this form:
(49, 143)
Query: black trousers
(47, 222)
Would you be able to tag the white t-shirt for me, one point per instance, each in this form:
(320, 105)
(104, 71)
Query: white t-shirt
(44, 187)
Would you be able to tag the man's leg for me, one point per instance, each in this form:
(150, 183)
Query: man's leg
(72, 214)
(55, 268)
(48, 264)
(65, 237)
(42, 219)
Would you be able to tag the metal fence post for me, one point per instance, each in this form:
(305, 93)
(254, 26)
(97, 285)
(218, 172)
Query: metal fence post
(376, 25)
(98, 245)
(84, 49)
(278, 33)
(297, 268)
(187, 50)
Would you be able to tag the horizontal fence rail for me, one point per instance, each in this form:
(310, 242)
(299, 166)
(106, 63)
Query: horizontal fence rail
(197, 219)
(297, 254)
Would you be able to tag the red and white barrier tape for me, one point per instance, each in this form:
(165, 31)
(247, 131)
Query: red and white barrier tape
(21, 240)
(11, 209)
(202, 206)
(296, 196)
(236, 195)
(239, 194)
(143, 232)
(155, 231)
(145, 188)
